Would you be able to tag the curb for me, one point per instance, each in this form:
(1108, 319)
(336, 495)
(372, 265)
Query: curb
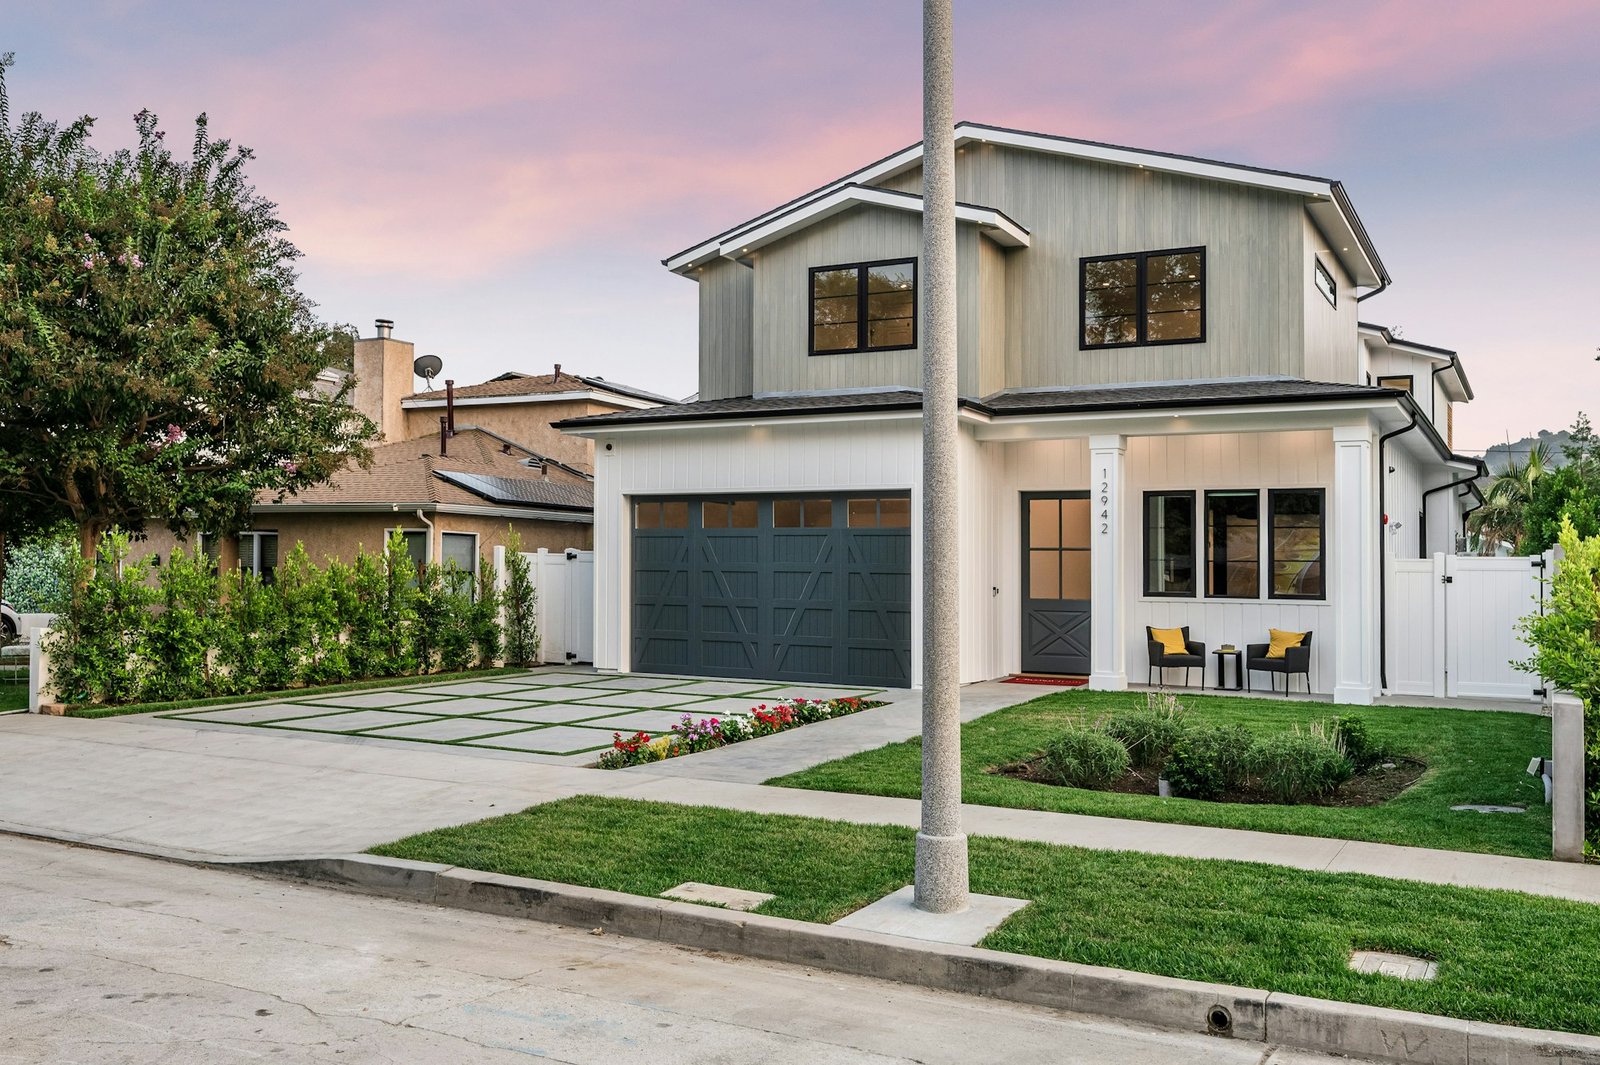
(1164, 1002)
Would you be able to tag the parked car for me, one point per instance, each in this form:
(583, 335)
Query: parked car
(10, 623)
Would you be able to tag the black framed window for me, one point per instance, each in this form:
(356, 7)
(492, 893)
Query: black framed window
(1233, 544)
(1169, 543)
(1325, 284)
(1153, 297)
(1404, 382)
(1295, 543)
(864, 307)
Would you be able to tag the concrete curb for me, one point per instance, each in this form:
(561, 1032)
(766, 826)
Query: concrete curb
(1163, 1002)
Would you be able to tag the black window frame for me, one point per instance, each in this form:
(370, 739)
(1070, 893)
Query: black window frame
(1272, 541)
(1142, 258)
(1332, 292)
(1409, 379)
(1194, 543)
(861, 269)
(1203, 521)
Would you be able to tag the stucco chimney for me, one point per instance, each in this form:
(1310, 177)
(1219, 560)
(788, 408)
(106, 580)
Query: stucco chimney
(383, 378)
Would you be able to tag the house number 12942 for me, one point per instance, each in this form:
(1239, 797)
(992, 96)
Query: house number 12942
(1105, 501)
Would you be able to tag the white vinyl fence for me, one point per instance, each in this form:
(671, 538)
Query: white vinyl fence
(565, 581)
(1453, 625)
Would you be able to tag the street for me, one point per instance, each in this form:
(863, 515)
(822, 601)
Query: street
(114, 958)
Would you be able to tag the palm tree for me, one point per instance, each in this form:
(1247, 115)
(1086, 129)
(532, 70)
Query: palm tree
(1501, 518)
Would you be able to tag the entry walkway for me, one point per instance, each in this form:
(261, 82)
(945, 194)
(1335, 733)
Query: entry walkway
(244, 795)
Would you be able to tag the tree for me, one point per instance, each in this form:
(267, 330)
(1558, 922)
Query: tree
(156, 358)
(1502, 517)
(1571, 492)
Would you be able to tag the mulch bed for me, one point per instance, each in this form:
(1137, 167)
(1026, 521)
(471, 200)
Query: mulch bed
(1372, 788)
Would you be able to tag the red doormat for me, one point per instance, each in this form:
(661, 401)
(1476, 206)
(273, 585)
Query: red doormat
(1059, 682)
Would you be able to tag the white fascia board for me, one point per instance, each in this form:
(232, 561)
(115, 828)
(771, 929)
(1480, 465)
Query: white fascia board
(610, 399)
(1352, 253)
(744, 421)
(1002, 229)
(1246, 417)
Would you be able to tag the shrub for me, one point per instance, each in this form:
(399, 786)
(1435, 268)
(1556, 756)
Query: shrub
(97, 647)
(1350, 733)
(1296, 766)
(39, 571)
(521, 607)
(1208, 761)
(1083, 757)
(1148, 732)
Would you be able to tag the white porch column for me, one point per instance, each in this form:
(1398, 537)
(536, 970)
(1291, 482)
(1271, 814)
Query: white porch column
(1108, 658)
(1353, 571)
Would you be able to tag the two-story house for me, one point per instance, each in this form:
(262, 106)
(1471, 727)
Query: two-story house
(1171, 416)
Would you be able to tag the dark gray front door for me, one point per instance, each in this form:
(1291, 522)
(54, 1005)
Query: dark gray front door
(1055, 582)
(810, 588)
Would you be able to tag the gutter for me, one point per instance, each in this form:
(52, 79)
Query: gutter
(1422, 539)
(1383, 549)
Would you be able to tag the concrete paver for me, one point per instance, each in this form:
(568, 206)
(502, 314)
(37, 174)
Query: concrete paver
(449, 728)
(372, 700)
(556, 739)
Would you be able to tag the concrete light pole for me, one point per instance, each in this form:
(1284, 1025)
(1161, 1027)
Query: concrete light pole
(941, 885)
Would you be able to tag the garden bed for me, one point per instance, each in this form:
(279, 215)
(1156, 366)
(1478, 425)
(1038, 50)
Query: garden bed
(691, 737)
(1472, 757)
(1370, 788)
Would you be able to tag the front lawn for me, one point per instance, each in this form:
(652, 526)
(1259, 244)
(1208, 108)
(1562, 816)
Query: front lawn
(13, 696)
(1503, 957)
(1472, 757)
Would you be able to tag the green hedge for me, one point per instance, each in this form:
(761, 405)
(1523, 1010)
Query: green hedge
(139, 632)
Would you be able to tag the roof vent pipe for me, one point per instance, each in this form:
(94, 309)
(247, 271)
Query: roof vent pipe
(557, 375)
(450, 405)
(444, 436)
(384, 327)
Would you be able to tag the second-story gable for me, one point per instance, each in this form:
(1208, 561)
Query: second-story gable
(1170, 271)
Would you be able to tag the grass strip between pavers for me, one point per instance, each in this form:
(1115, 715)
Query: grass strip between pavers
(292, 694)
(1472, 756)
(1503, 957)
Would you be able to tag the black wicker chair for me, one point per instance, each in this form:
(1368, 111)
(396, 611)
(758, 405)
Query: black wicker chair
(1295, 660)
(1160, 659)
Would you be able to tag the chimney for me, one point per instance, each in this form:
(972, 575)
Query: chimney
(444, 437)
(384, 377)
(450, 404)
(557, 376)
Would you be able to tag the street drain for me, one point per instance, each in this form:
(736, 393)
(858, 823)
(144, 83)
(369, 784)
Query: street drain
(1399, 966)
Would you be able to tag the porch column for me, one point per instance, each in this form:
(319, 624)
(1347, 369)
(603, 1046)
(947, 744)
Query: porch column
(1108, 658)
(1353, 571)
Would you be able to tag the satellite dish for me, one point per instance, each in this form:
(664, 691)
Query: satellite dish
(427, 367)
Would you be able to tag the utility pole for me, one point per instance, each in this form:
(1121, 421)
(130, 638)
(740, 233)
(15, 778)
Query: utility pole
(941, 884)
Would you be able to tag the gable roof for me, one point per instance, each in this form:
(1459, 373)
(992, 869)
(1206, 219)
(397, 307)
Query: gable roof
(513, 386)
(1451, 361)
(478, 465)
(1327, 203)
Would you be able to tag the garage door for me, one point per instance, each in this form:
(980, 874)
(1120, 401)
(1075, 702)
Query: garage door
(801, 588)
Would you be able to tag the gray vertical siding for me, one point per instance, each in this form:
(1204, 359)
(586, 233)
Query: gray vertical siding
(991, 317)
(726, 310)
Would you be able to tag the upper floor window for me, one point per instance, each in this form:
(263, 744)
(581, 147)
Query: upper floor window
(1153, 297)
(1325, 284)
(1402, 381)
(864, 307)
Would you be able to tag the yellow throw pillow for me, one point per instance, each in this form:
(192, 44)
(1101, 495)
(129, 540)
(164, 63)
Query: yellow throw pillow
(1171, 641)
(1282, 641)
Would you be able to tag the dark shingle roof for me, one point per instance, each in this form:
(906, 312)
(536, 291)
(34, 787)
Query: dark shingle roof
(522, 491)
(1001, 404)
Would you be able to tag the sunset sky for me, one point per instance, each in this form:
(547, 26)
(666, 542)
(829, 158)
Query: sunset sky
(502, 179)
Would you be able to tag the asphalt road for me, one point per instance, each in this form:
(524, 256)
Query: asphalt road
(112, 958)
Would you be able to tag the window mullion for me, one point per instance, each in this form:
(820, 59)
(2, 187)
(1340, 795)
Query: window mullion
(1143, 309)
(861, 308)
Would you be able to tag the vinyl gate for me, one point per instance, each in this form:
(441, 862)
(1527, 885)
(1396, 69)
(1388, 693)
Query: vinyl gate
(1453, 625)
(565, 582)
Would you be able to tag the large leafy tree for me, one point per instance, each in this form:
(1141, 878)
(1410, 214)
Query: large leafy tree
(156, 356)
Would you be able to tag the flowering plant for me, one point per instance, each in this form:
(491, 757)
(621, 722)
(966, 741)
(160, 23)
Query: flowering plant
(689, 736)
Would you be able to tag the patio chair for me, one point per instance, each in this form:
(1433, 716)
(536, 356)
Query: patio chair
(1295, 660)
(1161, 659)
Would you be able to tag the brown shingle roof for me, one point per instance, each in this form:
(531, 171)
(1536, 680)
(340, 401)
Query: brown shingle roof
(406, 473)
(511, 385)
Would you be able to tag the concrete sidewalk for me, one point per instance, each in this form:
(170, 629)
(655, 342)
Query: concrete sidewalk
(218, 795)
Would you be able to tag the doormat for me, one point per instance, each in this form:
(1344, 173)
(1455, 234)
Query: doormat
(1059, 682)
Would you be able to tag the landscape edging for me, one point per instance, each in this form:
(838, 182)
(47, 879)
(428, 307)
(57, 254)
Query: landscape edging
(1165, 1002)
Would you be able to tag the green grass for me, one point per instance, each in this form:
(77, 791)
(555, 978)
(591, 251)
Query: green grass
(290, 693)
(1503, 957)
(13, 696)
(1472, 757)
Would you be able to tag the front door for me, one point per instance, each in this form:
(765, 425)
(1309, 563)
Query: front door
(1055, 582)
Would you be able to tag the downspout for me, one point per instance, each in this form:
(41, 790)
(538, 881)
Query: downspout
(1383, 550)
(424, 519)
(1422, 539)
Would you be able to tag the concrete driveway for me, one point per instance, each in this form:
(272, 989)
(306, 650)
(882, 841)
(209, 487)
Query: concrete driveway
(568, 715)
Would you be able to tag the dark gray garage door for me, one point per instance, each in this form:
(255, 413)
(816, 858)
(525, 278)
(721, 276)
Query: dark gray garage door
(801, 588)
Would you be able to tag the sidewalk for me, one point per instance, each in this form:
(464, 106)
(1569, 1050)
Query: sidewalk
(221, 796)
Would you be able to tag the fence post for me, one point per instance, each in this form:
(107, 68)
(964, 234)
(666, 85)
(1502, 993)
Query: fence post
(39, 690)
(500, 584)
(1567, 750)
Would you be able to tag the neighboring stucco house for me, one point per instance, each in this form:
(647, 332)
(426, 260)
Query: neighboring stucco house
(454, 495)
(1171, 416)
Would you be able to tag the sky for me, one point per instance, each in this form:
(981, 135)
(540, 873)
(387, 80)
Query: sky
(503, 179)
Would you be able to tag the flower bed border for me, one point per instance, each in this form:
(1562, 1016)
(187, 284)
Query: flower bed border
(689, 736)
